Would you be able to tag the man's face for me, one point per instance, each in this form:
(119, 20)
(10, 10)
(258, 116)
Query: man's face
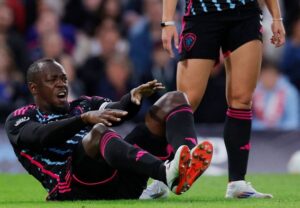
(51, 91)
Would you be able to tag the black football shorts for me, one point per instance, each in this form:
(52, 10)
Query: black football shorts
(204, 35)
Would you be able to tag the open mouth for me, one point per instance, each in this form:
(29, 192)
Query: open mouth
(62, 94)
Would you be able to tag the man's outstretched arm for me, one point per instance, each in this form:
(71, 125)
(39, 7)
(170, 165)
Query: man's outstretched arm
(32, 133)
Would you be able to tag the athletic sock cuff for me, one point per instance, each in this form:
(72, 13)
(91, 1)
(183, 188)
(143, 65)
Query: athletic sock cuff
(179, 109)
(242, 114)
(107, 136)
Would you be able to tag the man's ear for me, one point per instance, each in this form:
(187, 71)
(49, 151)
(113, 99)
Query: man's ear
(32, 88)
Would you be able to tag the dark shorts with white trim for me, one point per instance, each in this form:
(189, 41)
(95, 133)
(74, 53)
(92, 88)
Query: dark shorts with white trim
(204, 35)
(95, 180)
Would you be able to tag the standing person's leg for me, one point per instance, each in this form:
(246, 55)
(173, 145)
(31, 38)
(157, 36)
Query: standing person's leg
(192, 78)
(242, 71)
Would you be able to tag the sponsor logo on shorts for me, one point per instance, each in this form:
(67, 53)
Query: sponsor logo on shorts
(189, 40)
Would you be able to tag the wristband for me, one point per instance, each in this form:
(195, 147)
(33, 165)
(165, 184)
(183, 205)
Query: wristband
(278, 19)
(167, 23)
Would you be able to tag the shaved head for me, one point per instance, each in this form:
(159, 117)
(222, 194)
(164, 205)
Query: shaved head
(38, 66)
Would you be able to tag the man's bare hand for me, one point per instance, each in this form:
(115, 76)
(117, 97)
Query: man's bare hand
(145, 90)
(106, 116)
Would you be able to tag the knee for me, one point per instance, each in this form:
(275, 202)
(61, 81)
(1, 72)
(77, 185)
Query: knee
(96, 134)
(240, 101)
(172, 100)
(92, 140)
(155, 118)
(177, 96)
(99, 128)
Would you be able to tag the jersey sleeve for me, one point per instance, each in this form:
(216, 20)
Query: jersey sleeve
(26, 131)
(15, 124)
(125, 104)
(99, 102)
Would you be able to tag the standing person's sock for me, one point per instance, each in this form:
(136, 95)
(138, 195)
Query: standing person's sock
(180, 128)
(123, 156)
(237, 137)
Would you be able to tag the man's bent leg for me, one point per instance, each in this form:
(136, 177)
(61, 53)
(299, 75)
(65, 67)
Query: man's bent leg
(171, 116)
(105, 144)
(143, 138)
(153, 135)
(136, 160)
(127, 158)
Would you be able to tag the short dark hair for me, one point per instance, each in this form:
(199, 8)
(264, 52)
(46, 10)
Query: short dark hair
(37, 67)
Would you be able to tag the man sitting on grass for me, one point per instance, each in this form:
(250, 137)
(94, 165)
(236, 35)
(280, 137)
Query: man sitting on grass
(71, 150)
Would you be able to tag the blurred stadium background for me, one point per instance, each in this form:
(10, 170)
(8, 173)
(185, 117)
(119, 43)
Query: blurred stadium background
(109, 46)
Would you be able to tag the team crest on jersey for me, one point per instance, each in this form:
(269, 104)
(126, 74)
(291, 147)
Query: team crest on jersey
(189, 40)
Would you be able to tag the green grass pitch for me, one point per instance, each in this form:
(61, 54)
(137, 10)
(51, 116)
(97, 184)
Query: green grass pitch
(208, 192)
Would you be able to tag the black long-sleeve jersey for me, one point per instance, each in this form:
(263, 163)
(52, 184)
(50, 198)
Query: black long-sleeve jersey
(44, 143)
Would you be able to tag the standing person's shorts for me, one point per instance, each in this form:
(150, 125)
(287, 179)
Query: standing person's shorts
(204, 35)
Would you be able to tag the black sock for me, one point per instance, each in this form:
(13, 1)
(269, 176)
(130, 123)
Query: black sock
(125, 157)
(180, 128)
(237, 137)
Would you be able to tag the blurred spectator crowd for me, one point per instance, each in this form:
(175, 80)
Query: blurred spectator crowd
(109, 46)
